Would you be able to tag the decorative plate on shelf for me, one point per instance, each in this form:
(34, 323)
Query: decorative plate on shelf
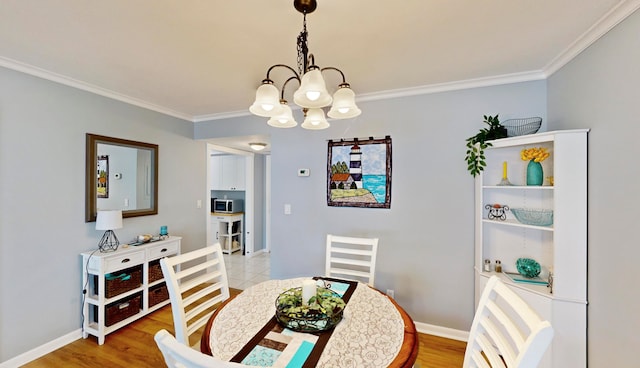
(323, 312)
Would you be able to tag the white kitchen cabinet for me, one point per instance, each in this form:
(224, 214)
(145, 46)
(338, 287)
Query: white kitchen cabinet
(560, 248)
(142, 292)
(228, 172)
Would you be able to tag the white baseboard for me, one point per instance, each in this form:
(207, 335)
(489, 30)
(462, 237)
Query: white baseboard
(439, 331)
(41, 350)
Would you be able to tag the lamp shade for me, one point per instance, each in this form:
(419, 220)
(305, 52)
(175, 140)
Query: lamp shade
(313, 91)
(109, 220)
(284, 119)
(315, 120)
(267, 101)
(344, 104)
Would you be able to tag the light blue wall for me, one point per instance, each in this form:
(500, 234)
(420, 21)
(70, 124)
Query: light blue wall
(426, 237)
(42, 170)
(600, 90)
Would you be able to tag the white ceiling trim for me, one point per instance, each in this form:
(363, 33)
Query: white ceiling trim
(67, 81)
(616, 15)
(605, 24)
(454, 86)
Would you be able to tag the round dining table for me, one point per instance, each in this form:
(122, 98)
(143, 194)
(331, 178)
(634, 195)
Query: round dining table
(374, 331)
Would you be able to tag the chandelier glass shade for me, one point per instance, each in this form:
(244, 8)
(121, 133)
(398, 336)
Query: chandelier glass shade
(312, 94)
(314, 119)
(283, 119)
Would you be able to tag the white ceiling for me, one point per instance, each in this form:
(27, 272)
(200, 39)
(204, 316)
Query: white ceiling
(203, 59)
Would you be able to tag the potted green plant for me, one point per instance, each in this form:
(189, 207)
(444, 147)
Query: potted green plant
(478, 143)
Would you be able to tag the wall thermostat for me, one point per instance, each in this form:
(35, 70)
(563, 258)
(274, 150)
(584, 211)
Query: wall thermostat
(303, 172)
(117, 176)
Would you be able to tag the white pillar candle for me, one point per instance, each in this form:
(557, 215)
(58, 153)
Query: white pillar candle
(308, 290)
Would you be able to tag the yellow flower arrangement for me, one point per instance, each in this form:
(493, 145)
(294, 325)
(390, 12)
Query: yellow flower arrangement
(537, 154)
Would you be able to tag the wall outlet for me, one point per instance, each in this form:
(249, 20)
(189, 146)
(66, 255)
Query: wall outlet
(391, 293)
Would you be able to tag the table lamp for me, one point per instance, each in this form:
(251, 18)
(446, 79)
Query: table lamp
(109, 221)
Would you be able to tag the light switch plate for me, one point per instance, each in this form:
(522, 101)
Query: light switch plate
(303, 172)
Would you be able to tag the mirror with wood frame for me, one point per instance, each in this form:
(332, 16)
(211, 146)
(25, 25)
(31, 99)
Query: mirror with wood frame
(120, 175)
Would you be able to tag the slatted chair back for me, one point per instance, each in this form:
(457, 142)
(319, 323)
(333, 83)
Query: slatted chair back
(196, 281)
(506, 332)
(352, 258)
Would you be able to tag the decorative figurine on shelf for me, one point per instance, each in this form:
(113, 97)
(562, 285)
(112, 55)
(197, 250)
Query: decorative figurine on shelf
(505, 180)
(497, 211)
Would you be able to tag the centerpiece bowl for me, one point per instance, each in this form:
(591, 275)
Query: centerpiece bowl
(323, 312)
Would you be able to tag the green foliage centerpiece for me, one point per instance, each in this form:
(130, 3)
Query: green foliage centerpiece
(322, 312)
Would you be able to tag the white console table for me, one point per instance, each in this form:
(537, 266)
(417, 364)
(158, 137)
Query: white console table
(138, 262)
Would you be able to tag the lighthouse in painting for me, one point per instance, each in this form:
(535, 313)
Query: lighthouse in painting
(355, 165)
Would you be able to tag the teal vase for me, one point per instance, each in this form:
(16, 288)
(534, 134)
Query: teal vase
(534, 173)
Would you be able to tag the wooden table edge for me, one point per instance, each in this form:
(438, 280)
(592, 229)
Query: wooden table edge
(205, 340)
(409, 350)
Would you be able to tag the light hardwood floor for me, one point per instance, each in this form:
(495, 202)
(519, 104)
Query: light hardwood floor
(133, 346)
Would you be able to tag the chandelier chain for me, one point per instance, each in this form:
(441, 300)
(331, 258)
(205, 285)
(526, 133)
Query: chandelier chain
(303, 47)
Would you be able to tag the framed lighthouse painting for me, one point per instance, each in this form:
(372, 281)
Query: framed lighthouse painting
(359, 173)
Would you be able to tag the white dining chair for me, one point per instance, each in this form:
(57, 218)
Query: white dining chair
(178, 355)
(506, 331)
(350, 257)
(196, 281)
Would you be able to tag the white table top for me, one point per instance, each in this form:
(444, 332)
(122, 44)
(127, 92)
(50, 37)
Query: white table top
(370, 334)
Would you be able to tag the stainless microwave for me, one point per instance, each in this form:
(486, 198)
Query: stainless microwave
(227, 205)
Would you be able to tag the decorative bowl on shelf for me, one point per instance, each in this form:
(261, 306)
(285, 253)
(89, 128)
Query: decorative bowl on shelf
(532, 216)
(522, 126)
(528, 267)
(323, 312)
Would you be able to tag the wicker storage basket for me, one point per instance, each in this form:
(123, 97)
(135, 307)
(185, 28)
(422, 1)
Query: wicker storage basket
(158, 294)
(155, 271)
(122, 309)
(120, 282)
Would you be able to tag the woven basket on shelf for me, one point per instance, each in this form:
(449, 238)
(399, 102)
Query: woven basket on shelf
(158, 294)
(523, 126)
(155, 271)
(120, 282)
(122, 310)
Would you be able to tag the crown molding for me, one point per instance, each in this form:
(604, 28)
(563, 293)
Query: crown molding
(616, 15)
(454, 86)
(67, 81)
(220, 116)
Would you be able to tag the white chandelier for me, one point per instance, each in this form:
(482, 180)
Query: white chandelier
(312, 95)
